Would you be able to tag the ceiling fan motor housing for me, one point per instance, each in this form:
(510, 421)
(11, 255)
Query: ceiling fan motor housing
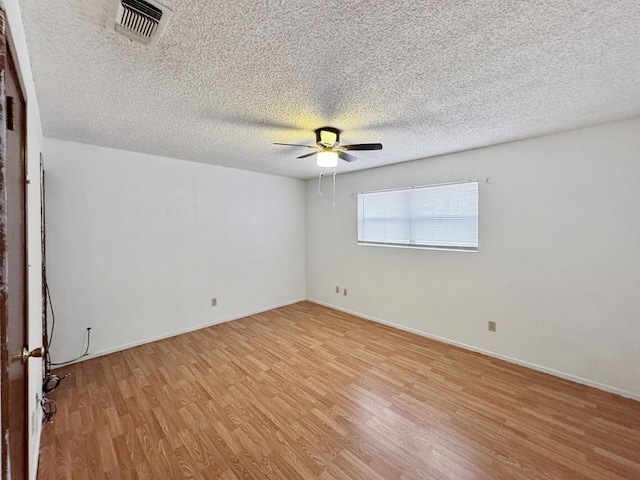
(327, 137)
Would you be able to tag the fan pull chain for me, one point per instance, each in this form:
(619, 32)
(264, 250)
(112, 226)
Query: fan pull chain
(334, 189)
(319, 182)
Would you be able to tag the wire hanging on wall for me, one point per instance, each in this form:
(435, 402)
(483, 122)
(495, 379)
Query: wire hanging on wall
(50, 381)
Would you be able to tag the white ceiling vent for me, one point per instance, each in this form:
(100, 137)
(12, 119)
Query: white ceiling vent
(139, 20)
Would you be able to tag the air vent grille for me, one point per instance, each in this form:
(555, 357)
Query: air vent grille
(139, 20)
(140, 17)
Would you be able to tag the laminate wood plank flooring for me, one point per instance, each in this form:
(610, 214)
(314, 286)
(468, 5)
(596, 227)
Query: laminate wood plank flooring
(308, 392)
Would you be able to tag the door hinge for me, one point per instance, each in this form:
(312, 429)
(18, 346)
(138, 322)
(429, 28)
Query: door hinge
(10, 120)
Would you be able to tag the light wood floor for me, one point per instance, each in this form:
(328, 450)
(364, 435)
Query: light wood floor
(307, 392)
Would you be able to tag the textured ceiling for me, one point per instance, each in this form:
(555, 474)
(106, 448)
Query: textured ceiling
(227, 79)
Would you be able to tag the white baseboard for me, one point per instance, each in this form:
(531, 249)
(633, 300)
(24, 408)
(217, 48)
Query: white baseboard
(178, 332)
(533, 366)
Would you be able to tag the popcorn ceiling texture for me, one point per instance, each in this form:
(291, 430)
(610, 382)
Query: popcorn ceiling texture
(227, 79)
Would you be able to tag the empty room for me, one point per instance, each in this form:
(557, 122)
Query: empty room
(320, 240)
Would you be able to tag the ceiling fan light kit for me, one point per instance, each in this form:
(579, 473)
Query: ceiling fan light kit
(328, 148)
(327, 158)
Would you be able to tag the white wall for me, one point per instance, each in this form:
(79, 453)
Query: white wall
(34, 147)
(558, 265)
(137, 245)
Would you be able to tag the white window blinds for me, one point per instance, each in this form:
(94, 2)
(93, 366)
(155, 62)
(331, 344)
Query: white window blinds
(437, 216)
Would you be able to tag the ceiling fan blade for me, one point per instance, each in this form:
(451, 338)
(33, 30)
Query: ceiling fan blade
(346, 157)
(296, 145)
(308, 155)
(362, 146)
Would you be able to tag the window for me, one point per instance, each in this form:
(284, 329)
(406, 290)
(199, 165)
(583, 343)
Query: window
(436, 216)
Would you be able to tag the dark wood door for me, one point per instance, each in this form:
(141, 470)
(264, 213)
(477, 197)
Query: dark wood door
(13, 268)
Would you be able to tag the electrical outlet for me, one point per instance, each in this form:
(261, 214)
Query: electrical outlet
(337, 289)
(214, 302)
(345, 292)
(492, 326)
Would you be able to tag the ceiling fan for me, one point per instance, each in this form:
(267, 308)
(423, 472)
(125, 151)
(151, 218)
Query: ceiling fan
(328, 147)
